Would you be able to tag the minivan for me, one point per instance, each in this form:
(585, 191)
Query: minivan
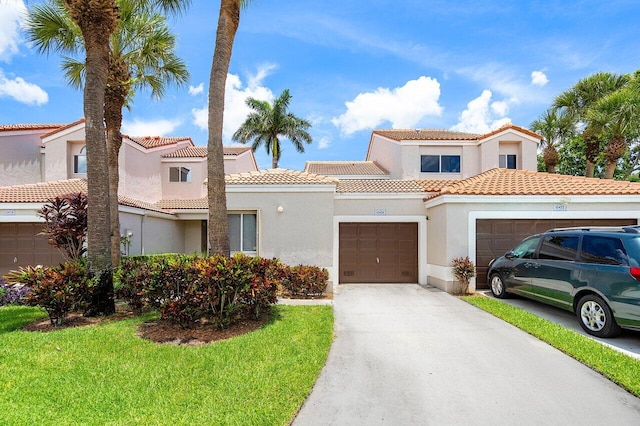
(593, 272)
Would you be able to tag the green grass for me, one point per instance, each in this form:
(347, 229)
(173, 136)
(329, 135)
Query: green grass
(104, 374)
(616, 366)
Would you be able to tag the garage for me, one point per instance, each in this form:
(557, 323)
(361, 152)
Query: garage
(378, 253)
(21, 245)
(494, 237)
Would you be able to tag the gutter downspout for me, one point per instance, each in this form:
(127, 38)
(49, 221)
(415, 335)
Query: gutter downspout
(142, 233)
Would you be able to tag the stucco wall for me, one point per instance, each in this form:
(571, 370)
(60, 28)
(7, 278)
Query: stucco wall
(184, 190)
(58, 156)
(387, 153)
(160, 235)
(192, 236)
(391, 206)
(239, 163)
(302, 233)
(20, 158)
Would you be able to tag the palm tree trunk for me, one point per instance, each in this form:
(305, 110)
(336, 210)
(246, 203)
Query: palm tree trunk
(592, 144)
(97, 20)
(218, 231)
(613, 152)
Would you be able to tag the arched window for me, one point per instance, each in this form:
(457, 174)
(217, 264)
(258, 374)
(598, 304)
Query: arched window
(80, 161)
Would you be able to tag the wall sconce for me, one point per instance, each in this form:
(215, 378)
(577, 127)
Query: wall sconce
(280, 209)
(128, 233)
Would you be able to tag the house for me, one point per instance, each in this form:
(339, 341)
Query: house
(419, 199)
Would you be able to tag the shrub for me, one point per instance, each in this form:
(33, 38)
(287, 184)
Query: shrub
(187, 289)
(66, 224)
(58, 289)
(463, 269)
(305, 281)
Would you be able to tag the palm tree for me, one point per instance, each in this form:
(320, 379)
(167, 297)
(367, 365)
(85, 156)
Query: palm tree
(617, 116)
(141, 56)
(554, 127)
(576, 103)
(228, 22)
(267, 123)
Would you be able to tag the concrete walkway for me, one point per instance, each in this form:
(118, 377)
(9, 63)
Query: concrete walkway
(411, 355)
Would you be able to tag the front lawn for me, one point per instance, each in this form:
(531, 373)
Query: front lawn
(104, 374)
(616, 366)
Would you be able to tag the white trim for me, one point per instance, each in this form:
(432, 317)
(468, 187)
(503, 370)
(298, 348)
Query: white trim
(235, 188)
(183, 159)
(422, 240)
(140, 211)
(21, 219)
(61, 133)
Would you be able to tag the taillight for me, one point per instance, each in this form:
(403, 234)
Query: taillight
(635, 272)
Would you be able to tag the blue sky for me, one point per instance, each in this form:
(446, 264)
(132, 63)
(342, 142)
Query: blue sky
(355, 65)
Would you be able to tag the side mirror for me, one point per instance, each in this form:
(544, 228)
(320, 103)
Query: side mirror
(509, 255)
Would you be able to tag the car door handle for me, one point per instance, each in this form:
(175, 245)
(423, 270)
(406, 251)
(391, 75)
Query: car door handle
(531, 265)
(377, 260)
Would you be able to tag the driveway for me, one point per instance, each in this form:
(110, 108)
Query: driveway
(412, 355)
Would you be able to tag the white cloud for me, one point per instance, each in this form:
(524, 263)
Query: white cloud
(149, 128)
(482, 116)
(22, 91)
(324, 142)
(539, 78)
(12, 15)
(403, 106)
(235, 108)
(195, 90)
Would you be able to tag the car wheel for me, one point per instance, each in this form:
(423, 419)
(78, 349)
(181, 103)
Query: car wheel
(497, 287)
(596, 317)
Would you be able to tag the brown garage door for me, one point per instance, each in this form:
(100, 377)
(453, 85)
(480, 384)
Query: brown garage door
(20, 245)
(378, 253)
(494, 237)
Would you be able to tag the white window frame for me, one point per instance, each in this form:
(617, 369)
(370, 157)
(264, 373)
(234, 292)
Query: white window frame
(440, 162)
(180, 169)
(252, 252)
(76, 161)
(503, 161)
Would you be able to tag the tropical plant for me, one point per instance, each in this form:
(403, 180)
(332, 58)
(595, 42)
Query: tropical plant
(617, 117)
(554, 127)
(65, 224)
(576, 102)
(142, 55)
(218, 226)
(463, 269)
(267, 123)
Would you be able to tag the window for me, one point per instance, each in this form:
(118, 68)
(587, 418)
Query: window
(80, 161)
(603, 250)
(243, 233)
(440, 163)
(507, 161)
(179, 174)
(526, 249)
(559, 247)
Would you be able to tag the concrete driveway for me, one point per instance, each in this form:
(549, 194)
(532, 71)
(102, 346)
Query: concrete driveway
(412, 355)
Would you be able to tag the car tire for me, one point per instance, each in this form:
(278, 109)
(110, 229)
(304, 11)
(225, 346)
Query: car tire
(595, 317)
(497, 286)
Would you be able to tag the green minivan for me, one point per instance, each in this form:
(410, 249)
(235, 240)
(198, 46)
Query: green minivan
(593, 272)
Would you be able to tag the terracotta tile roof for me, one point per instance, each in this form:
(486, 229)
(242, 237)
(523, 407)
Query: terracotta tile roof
(189, 152)
(44, 191)
(521, 182)
(446, 135)
(126, 201)
(197, 204)
(235, 150)
(65, 127)
(435, 185)
(156, 141)
(379, 186)
(14, 127)
(41, 192)
(278, 177)
(201, 151)
(345, 168)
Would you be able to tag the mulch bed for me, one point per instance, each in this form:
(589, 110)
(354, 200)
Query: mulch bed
(159, 331)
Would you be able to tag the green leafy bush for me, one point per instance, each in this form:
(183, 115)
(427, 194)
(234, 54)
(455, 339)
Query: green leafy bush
(59, 290)
(305, 281)
(188, 289)
(463, 269)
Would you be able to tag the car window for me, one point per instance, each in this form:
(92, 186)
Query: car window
(632, 245)
(559, 247)
(526, 249)
(603, 250)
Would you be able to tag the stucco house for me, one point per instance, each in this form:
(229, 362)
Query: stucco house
(419, 199)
